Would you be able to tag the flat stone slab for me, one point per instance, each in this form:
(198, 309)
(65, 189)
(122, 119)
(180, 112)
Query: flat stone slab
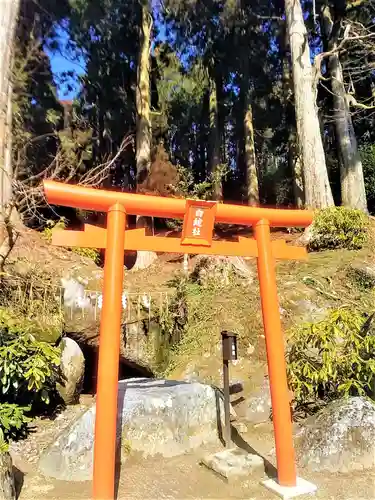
(302, 487)
(235, 463)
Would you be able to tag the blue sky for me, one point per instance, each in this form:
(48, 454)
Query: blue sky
(61, 62)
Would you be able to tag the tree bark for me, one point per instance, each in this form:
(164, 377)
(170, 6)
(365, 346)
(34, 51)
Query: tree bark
(295, 165)
(318, 192)
(8, 15)
(214, 141)
(353, 193)
(252, 187)
(7, 484)
(249, 157)
(143, 119)
(8, 215)
(294, 155)
(143, 123)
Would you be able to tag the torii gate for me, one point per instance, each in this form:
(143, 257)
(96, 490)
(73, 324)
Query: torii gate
(199, 218)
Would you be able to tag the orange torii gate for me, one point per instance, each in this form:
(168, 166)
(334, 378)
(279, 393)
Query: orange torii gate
(199, 218)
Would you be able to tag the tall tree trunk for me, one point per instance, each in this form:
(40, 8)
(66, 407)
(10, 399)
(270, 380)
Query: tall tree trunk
(251, 173)
(214, 141)
(8, 215)
(296, 167)
(221, 116)
(353, 192)
(143, 122)
(143, 96)
(294, 155)
(318, 192)
(250, 167)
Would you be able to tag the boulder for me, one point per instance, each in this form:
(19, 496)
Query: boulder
(310, 312)
(363, 274)
(219, 270)
(73, 371)
(258, 405)
(154, 417)
(7, 486)
(340, 438)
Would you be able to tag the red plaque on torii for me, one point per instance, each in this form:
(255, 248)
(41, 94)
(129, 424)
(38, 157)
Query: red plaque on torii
(199, 222)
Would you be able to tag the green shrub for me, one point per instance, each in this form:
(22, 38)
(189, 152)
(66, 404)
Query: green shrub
(89, 253)
(172, 321)
(29, 369)
(52, 226)
(367, 152)
(330, 359)
(339, 227)
(13, 423)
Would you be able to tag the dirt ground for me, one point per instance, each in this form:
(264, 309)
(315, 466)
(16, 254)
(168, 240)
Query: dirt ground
(178, 478)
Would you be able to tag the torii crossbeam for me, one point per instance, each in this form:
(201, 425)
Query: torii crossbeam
(199, 218)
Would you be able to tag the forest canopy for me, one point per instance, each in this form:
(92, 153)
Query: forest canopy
(261, 102)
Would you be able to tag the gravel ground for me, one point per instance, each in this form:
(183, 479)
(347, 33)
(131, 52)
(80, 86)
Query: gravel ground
(180, 478)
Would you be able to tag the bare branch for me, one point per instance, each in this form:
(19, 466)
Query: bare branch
(28, 194)
(352, 101)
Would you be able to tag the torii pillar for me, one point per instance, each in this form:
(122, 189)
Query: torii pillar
(199, 218)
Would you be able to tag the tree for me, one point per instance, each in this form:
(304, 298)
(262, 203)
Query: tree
(9, 10)
(318, 192)
(251, 173)
(143, 120)
(353, 192)
(143, 95)
(214, 137)
(294, 156)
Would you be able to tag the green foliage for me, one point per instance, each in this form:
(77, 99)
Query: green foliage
(188, 188)
(89, 253)
(367, 153)
(29, 369)
(31, 299)
(172, 321)
(330, 359)
(361, 277)
(194, 317)
(13, 423)
(51, 226)
(339, 227)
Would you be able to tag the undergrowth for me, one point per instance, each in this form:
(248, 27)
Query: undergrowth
(33, 300)
(339, 227)
(29, 372)
(196, 316)
(330, 359)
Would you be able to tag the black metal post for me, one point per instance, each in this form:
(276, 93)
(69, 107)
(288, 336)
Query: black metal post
(227, 433)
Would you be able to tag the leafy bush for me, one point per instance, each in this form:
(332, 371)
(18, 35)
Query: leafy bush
(187, 187)
(367, 152)
(29, 369)
(172, 321)
(13, 423)
(90, 253)
(52, 226)
(339, 227)
(331, 359)
(33, 301)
